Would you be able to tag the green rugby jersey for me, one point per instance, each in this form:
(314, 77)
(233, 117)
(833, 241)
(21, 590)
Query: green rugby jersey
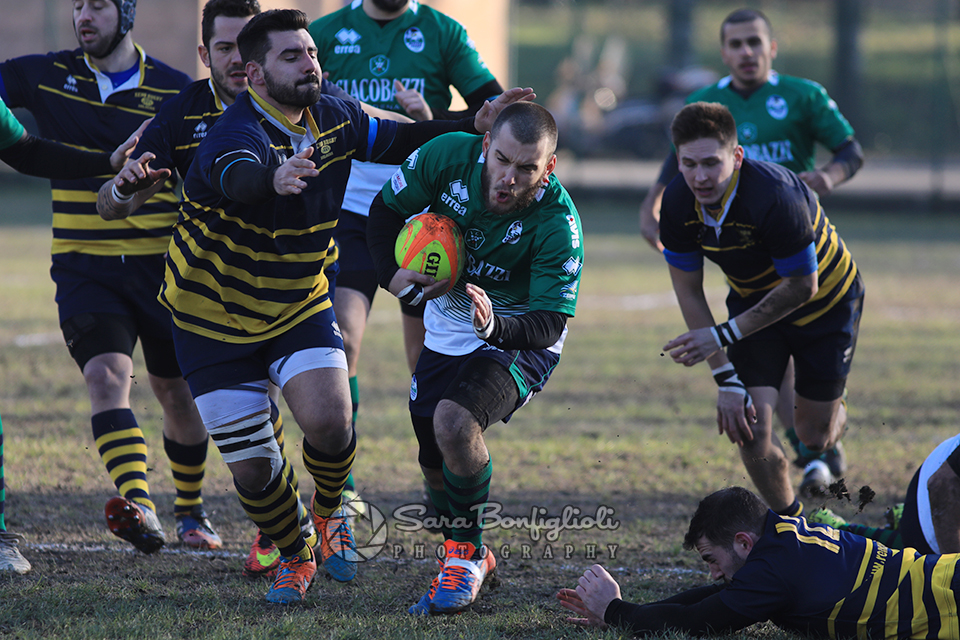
(76, 104)
(781, 121)
(424, 49)
(526, 261)
(10, 128)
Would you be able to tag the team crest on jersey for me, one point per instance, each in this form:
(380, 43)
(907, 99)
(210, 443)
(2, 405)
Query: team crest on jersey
(148, 101)
(413, 38)
(326, 146)
(473, 238)
(777, 107)
(70, 84)
(513, 233)
(746, 132)
(572, 266)
(379, 65)
(348, 39)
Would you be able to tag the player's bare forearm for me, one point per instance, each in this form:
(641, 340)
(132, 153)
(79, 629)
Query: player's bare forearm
(944, 488)
(781, 301)
(650, 216)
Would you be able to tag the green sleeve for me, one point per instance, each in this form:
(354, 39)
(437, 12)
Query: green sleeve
(829, 127)
(413, 187)
(465, 68)
(10, 128)
(555, 269)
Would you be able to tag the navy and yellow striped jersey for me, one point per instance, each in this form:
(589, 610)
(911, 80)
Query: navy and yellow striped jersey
(770, 222)
(75, 104)
(245, 273)
(816, 580)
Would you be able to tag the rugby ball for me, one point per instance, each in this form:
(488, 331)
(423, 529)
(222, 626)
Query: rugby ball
(433, 245)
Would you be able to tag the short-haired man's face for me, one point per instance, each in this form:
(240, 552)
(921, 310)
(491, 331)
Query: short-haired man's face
(707, 167)
(723, 562)
(749, 52)
(513, 172)
(290, 69)
(95, 23)
(223, 57)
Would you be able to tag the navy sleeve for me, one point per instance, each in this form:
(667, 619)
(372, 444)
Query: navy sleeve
(391, 142)
(47, 159)
(537, 329)
(699, 612)
(382, 230)
(158, 138)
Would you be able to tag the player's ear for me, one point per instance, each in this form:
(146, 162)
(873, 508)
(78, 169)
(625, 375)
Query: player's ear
(738, 157)
(743, 543)
(254, 73)
(204, 55)
(773, 49)
(486, 143)
(551, 165)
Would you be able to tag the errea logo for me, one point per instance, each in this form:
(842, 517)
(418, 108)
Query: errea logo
(348, 39)
(456, 197)
(70, 84)
(200, 131)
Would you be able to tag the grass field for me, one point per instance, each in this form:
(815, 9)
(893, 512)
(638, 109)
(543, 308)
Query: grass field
(618, 426)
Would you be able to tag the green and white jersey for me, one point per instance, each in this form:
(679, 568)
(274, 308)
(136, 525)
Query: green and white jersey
(526, 261)
(424, 49)
(783, 120)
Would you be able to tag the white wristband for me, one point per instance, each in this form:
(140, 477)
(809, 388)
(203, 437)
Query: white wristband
(486, 330)
(119, 197)
(726, 333)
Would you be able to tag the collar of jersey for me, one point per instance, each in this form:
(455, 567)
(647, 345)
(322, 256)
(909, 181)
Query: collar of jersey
(725, 202)
(105, 84)
(216, 95)
(773, 81)
(301, 137)
(414, 5)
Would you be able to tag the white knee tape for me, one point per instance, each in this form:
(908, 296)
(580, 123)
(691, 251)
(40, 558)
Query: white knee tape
(238, 420)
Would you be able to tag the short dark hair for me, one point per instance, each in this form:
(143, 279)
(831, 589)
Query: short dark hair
(254, 39)
(529, 123)
(745, 15)
(723, 514)
(704, 120)
(226, 8)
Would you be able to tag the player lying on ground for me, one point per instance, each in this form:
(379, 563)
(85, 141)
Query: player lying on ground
(807, 578)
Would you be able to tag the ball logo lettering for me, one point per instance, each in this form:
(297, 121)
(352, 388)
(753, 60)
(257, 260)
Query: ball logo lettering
(432, 244)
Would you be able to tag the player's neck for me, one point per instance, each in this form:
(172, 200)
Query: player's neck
(123, 57)
(375, 13)
(293, 114)
(746, 89)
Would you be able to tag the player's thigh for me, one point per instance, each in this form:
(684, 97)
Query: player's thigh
(490, 383)
(761, 358)
(823, 351)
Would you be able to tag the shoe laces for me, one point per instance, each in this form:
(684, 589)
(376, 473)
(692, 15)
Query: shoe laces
(455, 578)
(337, 535)
(289, 575)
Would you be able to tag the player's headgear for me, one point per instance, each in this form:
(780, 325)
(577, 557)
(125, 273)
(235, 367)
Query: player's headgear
(126, 11)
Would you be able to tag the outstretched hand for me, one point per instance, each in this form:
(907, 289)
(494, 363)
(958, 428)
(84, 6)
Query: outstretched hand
(286, 180)
(692, 347)
(596, 589)
(490, 109)
(137, 175)
(122, 153)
